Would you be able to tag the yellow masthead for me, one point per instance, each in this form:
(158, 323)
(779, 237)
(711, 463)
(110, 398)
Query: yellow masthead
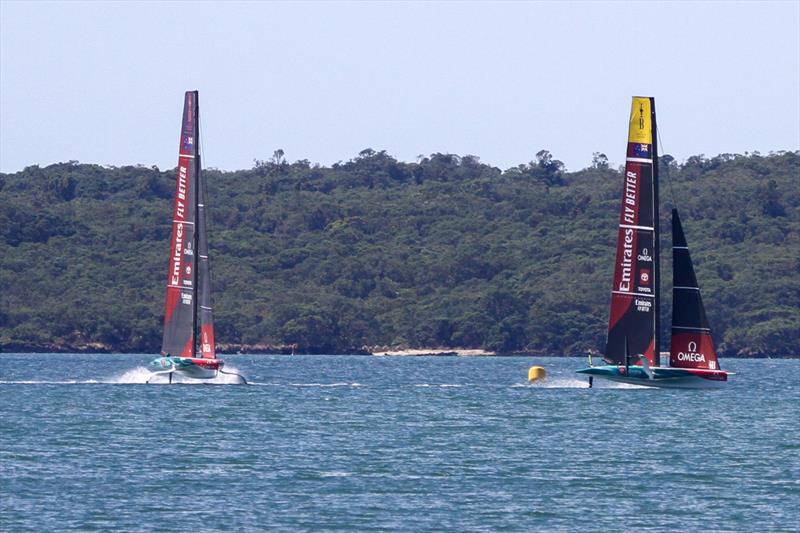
(640, 130)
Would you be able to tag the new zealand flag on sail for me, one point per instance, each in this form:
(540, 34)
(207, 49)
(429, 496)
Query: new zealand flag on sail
(188, 141)
(641, 150)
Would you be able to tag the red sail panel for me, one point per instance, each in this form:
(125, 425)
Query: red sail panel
(634, 294)
(179, 314)
(692, 345)
(693, 349)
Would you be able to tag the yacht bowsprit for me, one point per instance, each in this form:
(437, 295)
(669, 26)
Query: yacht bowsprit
(632, 346)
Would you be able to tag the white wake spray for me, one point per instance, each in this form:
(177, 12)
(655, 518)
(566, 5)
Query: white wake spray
(576, 383)
(142, 374)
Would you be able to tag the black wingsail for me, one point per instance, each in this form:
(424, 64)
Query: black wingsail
(692, 345)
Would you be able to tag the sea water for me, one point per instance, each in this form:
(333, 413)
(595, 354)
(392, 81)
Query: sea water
(354, 443)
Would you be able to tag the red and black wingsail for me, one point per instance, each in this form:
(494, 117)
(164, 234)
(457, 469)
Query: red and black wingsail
(180, 312)
(635, 294)
(692, 345)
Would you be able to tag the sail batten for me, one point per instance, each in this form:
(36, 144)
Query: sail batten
(634, 294)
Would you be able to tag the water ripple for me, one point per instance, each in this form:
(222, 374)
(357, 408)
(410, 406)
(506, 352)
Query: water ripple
(387, 444)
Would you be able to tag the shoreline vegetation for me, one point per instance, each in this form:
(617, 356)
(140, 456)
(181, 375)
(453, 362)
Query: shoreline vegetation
(377, 351)
(445, 255)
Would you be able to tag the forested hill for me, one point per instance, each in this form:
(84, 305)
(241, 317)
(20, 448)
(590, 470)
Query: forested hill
(444, 252)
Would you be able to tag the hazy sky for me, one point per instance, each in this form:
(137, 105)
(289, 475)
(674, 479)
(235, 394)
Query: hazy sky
(103, 82)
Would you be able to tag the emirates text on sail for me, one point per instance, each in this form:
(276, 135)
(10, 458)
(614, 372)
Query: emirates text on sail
(180, 213)
(627, 255)
(176, 257)
(627, 252)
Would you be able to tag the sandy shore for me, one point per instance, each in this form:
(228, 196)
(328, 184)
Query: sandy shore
(426, 351)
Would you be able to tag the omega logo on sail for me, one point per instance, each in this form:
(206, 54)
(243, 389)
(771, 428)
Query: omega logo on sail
(691, 354)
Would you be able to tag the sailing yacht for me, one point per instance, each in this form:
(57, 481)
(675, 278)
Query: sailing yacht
(632, 353)
(188, 308)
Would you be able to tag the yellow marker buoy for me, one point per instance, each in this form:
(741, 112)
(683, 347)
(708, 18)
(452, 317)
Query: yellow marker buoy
(536, 373)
